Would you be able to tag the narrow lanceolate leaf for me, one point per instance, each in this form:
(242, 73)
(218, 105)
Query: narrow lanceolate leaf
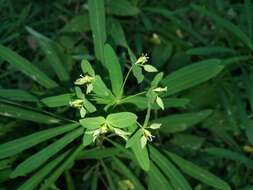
(113, 66)
(141, 154)
(37, 178)
(26, 67)
(97, 22)
(58, 171)
(87, 68)
(192, 75)
(229, 155)
(180, 122)
(128, 173)
(18, 95)
(25, 114)
(50, 49)
(198, 173)
(57, 101)
(122, 119)
(176, 178)
(23, 143)
(227, 25)
(157, 179)
(42, 156)
(92, 122)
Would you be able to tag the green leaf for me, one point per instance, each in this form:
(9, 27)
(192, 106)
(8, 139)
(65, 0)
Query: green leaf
(122, 119)
(100, 89)
(99, 153)
(198, 173)
(150, 68)
(18, 95)
(57, 101)
(113, 67)
(78, 24)
(180, 122)
(97, 22)
(137, 71)
(229, 155)
(210, 50)
(9, 110)
(50, 49)
(37, 178)
(122, 8)
(176, 178)
(92, 122)
(87, 139)
(26, 67)
(227, 25)
(191, 75)
(87, 68)
(135, 138)
(141, 154)
(116, 32)
(128, 173)
(58, 171)
(157, 179)
(42, 156)
(18, 145)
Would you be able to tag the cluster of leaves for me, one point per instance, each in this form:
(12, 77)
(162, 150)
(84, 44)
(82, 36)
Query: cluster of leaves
(123, 124)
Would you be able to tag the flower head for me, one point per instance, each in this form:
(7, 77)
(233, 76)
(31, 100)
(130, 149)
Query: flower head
(142, 60)
(84, 80)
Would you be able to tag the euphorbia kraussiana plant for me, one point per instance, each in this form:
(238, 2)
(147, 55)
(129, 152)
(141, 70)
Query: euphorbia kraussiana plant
(91, 91)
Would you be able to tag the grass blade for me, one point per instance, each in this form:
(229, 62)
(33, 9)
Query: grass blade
(42, 156)
(18, 95)
(97, 22)
(25, 114)
(23, 143)
(192, 75)
(26, 67)
(198, 172)
(176, 178)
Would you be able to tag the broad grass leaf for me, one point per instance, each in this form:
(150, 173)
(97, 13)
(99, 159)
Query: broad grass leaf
(60, 169)
(157, 179)
(97, 22)
(113, 67)
(174, 175)
(229, 155)
(121, 119)
(57, 101)
(192, 75)
(180, 122)
(38, 177)
(141, 155)
(18, 145)
(26, 67)
(18, 95)
(99, 153)
(198, 173)
(42, 156)
(128, 173)
(14, 111)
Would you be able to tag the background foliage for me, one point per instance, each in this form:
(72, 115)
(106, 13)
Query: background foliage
(203, 48)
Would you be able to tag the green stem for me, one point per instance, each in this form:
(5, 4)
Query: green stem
(132, 96)
(127, 75)
(147, 116)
